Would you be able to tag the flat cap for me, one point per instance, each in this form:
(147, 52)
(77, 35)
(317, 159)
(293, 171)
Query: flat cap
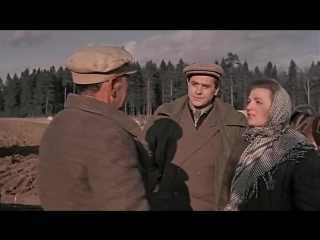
(210, 69)
(96, 64)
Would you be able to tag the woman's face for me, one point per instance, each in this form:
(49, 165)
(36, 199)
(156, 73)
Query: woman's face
(258, 107)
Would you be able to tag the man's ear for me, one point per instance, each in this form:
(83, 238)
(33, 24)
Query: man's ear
(217, 91)
(113, 84)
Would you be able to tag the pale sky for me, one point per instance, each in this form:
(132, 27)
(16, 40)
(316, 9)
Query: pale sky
(21, 49)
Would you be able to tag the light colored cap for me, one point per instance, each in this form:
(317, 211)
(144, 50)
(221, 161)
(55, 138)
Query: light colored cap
(97, 64)
(210, 69)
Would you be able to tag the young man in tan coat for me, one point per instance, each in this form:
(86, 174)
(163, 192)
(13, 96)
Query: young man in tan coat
(189, 143)
(88, 155)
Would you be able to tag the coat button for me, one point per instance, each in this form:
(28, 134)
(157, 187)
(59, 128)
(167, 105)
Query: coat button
(175, 194)
(178, 170)
(200, 173)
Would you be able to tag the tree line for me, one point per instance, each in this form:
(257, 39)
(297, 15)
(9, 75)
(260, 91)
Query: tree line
(40, 93)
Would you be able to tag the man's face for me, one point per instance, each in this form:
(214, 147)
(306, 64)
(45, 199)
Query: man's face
(201, 90)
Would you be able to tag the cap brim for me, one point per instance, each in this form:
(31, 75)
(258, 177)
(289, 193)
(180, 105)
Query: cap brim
(213, 74)
(80, 78)
(129, 73)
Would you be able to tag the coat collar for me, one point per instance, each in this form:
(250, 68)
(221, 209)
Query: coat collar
(229, 116)
(94, 106)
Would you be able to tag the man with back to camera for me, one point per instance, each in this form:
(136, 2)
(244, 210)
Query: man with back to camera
(88, 154)
(189, 143)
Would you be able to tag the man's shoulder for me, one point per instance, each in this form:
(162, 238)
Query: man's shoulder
(86, 123)
(173, 108)
(227, 106)
(88, 131)
(230, 114)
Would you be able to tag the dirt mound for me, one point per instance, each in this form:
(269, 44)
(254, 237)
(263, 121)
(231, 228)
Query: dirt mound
(19, 175)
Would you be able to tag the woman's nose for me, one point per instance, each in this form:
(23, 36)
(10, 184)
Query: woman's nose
(249, 106)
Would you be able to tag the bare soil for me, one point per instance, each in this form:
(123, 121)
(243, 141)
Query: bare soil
(19, 144)
(19, 175)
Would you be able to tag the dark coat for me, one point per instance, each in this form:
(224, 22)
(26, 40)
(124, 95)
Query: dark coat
(89, 159)
(188, 163)
(297, 184)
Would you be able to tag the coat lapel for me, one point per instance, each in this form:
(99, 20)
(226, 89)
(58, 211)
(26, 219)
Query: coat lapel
(194, 139)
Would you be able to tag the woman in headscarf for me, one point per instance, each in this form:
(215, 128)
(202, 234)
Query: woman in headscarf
(272, 167)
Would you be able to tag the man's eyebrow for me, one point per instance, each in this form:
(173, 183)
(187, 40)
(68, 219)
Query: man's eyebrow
(206, 85)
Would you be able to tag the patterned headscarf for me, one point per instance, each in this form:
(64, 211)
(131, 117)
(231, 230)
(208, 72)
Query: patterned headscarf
(269, 146)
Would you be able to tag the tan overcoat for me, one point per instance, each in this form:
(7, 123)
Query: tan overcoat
(189, 163)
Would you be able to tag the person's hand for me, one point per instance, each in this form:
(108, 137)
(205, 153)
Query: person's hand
(156, 188)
